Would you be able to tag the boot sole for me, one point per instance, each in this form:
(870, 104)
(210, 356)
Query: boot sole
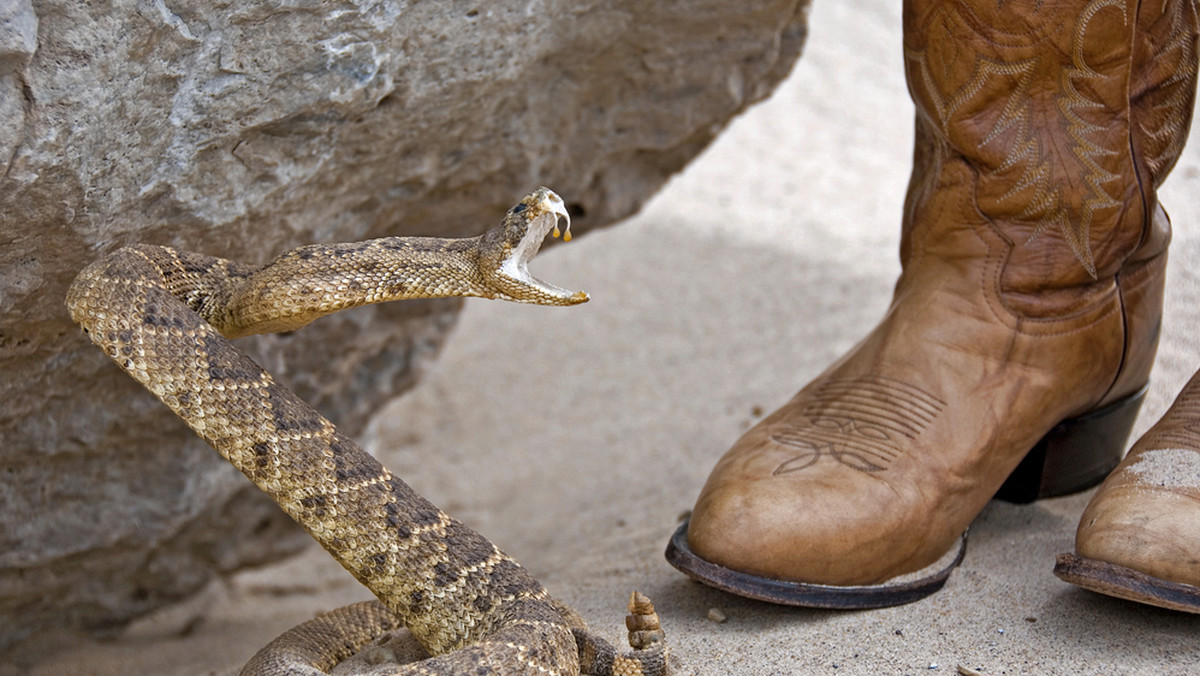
(1127, 583)
(894, 592)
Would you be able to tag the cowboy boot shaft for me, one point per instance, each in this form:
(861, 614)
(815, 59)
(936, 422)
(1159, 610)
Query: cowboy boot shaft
(1064, 132)
(1163, 86)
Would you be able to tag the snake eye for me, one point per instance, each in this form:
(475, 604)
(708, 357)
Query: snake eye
(519, 208)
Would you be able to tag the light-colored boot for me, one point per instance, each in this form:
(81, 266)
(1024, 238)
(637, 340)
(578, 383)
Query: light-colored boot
(1139, 537)
(1022, 329)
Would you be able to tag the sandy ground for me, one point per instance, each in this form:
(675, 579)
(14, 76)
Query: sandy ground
(576, 438)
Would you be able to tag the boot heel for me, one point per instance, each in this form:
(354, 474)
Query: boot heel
(1077, 454)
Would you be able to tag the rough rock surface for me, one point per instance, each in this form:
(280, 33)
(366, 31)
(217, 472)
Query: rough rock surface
(245, 128)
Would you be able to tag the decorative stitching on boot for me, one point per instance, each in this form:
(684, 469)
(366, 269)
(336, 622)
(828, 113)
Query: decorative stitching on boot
(862, 423)
(1044, 204)
(1171, 112)
(1184, 432)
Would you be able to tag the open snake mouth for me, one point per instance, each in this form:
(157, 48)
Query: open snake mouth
(543, 209)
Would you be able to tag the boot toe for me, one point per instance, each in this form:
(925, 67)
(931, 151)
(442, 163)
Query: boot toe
(1152, 530)
(812, 531)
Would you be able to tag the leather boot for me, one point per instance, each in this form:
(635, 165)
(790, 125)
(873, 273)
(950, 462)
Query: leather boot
(1139, 537)
(1023, 326)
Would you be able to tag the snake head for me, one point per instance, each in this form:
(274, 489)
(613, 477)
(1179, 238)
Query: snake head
(505, 251)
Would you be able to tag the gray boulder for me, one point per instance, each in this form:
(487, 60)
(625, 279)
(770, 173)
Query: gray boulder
(244, 128)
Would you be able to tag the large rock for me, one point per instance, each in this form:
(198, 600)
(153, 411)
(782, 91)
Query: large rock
(244, 128)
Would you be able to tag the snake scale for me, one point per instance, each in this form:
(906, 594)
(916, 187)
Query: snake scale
(166, 316)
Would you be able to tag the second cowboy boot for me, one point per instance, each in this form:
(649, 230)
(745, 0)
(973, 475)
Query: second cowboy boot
(1139, 537)
(1023, 326)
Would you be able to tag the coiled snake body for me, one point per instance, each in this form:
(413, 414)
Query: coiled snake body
(165, 316)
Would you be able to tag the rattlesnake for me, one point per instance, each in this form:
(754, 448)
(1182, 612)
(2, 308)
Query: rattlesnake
(165, 316)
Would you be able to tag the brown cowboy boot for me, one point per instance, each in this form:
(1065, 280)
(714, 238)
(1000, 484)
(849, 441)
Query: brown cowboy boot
(1022, 328)
(1139, 537)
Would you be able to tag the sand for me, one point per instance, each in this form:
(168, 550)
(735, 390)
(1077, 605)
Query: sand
(576, 438)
